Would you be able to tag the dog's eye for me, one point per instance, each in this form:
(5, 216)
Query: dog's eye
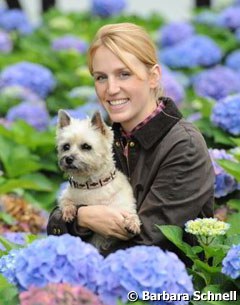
(66, 147)
(85, 146)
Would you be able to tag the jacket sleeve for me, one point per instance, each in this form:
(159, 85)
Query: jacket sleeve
(181, 190)
(57, 226)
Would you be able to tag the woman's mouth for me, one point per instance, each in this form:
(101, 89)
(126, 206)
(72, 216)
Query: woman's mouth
(118, 102)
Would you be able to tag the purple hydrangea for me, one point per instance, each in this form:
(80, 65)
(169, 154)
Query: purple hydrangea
(224, 182)
(5, 43)
(230, 17)
(69, 42)
(233, 61)
(196, 51)
(217, 82)
(172, 88)
(107, 8)
(35, 114)
(174, 33)
(142, 268)
(226, 114)
(14, 237)
(56, 259)
(231, 263)
(33, 76)
(15, 19)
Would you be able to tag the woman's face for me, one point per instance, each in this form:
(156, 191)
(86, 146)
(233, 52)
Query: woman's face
(127, 98)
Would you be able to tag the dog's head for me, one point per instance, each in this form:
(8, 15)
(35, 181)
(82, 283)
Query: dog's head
(84, 146)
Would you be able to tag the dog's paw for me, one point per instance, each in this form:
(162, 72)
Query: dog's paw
(132, 224)
(69, 212)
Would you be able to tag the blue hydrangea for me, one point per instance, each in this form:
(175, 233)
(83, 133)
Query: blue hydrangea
(15, 19)
(33, 76)
(142, 268)
(226, 114)
(14, 237)
(35, 114)
(217, 82)
(20, 93)
(195, 51)
(174, 33)
(7, 266)
(69, 42)
(207, 18)
(172, 88)
(233, 60)
(230, 18)
(107, 8)
(237, 34)
(194, 117)
(5, 43)
(231, 263)
(224, 182)
(56, 259)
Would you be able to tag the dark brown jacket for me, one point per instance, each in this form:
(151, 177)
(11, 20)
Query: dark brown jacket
(171, 174)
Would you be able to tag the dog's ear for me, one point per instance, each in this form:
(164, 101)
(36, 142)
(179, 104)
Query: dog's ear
(63, 118)
(98, 122)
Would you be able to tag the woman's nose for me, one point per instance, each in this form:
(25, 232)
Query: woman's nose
(113, 87)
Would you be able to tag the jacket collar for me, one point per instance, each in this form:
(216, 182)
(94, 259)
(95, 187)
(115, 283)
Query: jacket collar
(157, 127)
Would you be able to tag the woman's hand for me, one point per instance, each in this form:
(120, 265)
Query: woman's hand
(104, 220)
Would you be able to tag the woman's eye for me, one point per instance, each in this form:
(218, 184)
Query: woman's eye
(66, 147)
(100, 78)
(124, 75)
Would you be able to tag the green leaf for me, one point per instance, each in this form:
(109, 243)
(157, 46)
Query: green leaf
(8, 293)
(231, 167)
(7, 244)
(234, 204)
(8, 219)
(175, 235)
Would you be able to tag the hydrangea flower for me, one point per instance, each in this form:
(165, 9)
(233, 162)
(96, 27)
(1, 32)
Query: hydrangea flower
(55, 294)
(14, 237)
(207, 18)
(142, 268)
(233, 60)
(69, 42)
(107, 8)
(15, 19)
(230, 17)
(217, 82)
(56, 259)
(172, 88)
(5, 43)
(231, 263)
(7, 266)
(173, 33)
(237, 34)
(198, 50)
(224, 182)
(35, 114)
(83, 92)
(226, 114)
(206, 227)
(35, 77)
(20, 93)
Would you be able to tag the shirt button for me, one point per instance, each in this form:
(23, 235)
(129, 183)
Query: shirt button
(117, 143)
(131, 144)
(54, 231)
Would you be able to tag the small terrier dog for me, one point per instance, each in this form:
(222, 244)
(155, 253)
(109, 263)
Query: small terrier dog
(85, 154)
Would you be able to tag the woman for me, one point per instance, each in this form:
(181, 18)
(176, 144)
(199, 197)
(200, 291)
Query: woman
(164, 157)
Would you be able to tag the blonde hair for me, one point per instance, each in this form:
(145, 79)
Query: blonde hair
(125, 37)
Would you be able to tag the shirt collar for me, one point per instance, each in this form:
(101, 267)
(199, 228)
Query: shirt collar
(157, 127)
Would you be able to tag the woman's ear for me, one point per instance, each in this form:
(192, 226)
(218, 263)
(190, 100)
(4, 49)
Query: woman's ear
(155, 76)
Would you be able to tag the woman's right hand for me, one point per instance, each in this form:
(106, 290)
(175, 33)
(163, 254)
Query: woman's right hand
(104, 220)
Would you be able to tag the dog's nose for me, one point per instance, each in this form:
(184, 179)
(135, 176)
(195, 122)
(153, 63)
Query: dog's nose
(69, 160)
